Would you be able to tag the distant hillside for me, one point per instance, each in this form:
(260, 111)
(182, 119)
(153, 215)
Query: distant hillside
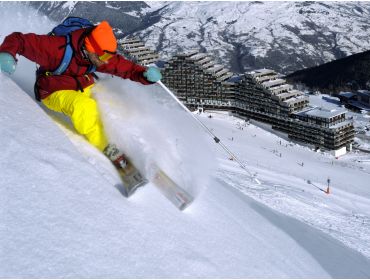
(242, 35)
(349, 73)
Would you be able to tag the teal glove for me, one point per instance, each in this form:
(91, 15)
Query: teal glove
(7, 63)
(152, 74)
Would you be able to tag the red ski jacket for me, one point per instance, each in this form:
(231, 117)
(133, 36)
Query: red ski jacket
(48, 51)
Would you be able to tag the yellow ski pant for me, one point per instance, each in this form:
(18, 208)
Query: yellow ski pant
(83, 111)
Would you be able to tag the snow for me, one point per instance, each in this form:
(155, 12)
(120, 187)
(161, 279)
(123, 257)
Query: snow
(61, 214)
(262, 26)
(69, 5)
(144, 113)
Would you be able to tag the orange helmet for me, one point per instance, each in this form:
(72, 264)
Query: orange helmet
(101, 39)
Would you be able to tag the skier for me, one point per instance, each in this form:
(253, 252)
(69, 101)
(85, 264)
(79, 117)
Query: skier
(70, 92)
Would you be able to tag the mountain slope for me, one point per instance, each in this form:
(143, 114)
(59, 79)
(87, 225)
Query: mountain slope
(284, 36)
(116, 11)
(349, 73)
(65, 219)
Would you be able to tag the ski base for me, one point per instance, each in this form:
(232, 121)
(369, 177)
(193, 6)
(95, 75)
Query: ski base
(172, 191)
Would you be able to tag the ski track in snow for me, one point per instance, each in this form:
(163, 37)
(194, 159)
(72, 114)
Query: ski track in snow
(340, 214)
(297, 200)
(351, 228)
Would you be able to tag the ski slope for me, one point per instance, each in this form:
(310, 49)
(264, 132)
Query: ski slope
(61, 214)
(62, 218)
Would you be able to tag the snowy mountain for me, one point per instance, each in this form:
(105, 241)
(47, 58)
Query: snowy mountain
(61, 215)
(284, 36)
(118, 13)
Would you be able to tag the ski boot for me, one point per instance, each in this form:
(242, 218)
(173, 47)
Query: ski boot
(130, 175)
(117, 158)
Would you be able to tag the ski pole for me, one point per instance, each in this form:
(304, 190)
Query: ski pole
(215, 138)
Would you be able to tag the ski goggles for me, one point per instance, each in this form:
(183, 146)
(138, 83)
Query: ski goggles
(106, 55)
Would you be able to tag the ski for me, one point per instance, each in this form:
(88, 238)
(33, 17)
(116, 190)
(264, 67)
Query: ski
(172, 191)
(130, 175)
(131, 178)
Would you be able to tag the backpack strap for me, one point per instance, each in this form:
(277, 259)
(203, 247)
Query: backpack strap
(67, 57)
(91, 69)
(66, 61)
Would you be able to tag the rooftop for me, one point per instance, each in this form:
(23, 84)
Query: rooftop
(215, 68)
(187, 54)
(322, 112)
(197, 56)
(347, 94)
(262, 72)
(273, 83)
(235, 78)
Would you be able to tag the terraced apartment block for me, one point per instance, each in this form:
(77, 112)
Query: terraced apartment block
(135, 50)
(262, 95)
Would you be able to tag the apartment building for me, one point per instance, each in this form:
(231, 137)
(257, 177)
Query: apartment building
(135, 50)
(262, 95)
